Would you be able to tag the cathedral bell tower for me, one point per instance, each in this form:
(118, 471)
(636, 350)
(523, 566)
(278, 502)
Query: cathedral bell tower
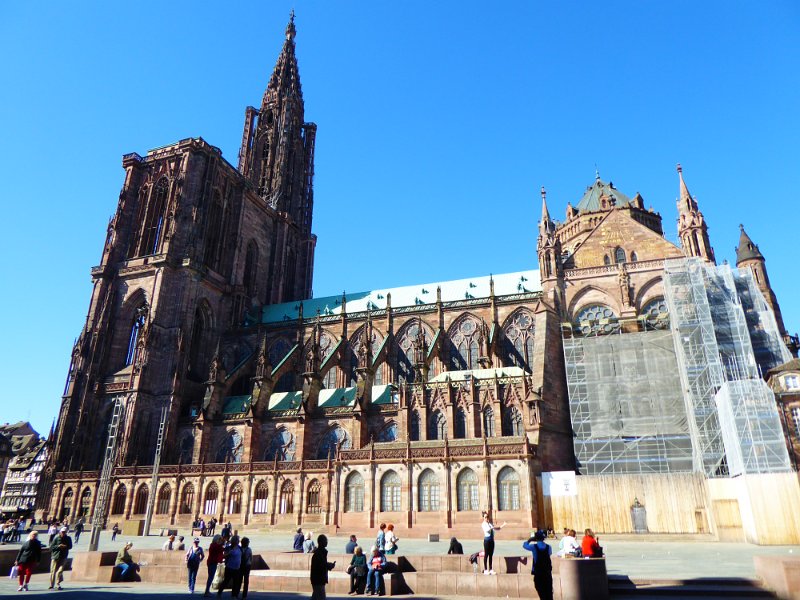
(277, 160)
(692, 228)
(548, 249)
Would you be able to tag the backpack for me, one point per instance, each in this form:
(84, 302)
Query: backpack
(543, 563)
(473, 558)
(193, 560)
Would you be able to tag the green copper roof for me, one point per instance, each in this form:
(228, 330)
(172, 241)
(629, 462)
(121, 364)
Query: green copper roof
(285, 400)
(591, 198)
(410, 295)
(384, 394)
(233, 405)
(337, 397)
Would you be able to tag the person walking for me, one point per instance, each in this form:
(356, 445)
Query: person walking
(215, 556)
(358, 572)
(114, 531)
(247, 564)
(29, 555)
(488, 542)
(299, 538)
(542, 569)
(391, 539)
(194, 558)
(78, 530)
(59, 550)
(233, 563)
(319, 569)
(52, 531)
(380, 539)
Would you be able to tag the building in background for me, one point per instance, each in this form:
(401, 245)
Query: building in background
(785, 383)
(627, 359)
(28, 456)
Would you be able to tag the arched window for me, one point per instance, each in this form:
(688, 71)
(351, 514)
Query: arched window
(460, 429)
(231, 449)
(388, 433)
(464, 348)
(213, 233)
(136, 331)
(606, 260)
(187, 500)
(281, 446)
(428, 491)
(187, 449)
(260, 505)
(86, 502)
(437, 427)
(357, 346)
(467, 484)
(412, 337)
(249, 279)
(634, 257)
(656, 314)
(619, 255)
(354, 493)
(414, 426)
(488, 422)
(210, 502)
(66, 503)
(262, 179)
(154, 225)
(313, 499)
(118, 505)
(518, 338)
(162, 502)
(390, 492)
(512, 421)
(235, 499)
(334, 440)
(508, 489)
(140, 503)
(286, 505)
(329, 381)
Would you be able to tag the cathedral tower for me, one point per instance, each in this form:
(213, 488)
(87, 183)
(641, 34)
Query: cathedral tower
(748, 256)
(692, 228)
(277, 159)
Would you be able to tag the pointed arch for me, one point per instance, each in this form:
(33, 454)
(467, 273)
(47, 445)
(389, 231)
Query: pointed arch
(162, 502)
(354, 492)
(414, 426)
(200, 341)
(356, 342)
(118, 504)
(85, 503)
(464, 335)
(519, 331)
(314, 497)
(140, 501)
(390, 492)
(512, 421)
(488, 421)
(335, 439)
(467, 490)
(213, 233)
(250, 273)
(153, 230)
(235, 499)
(186, 506)
(437, 426)
(387, 433)
(428, 488)
(210, 499)
(590, 294)
(507, 489)
(281, 446)
(404, 346)
(278, 350)
(66, 503)
(286, 501)
(261, 498)
(460, 425)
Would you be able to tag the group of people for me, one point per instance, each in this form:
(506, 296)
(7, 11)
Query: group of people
(54, 527)
(226, 552)
(30, 554)
(207, 528)
(12, 530)
(589, 546)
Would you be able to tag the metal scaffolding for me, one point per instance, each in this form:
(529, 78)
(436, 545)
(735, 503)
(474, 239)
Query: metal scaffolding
(689, 398)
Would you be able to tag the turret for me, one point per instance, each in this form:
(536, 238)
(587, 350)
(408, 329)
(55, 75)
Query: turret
(692, 228)
(748, 256)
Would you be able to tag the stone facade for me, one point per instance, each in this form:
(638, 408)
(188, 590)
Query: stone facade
(422, 406)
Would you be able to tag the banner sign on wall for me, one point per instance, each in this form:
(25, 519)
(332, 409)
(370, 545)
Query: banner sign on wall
(559, 483)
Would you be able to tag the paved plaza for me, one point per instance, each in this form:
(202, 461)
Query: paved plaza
(654, 557)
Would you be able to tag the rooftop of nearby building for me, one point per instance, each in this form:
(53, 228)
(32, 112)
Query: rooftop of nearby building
(411, 295)
(591, 198)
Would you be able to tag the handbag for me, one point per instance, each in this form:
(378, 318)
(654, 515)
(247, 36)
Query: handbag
(14, 572)
(361, 571)
(219, 576)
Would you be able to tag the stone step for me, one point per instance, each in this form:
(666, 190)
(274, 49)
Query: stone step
(621, 586)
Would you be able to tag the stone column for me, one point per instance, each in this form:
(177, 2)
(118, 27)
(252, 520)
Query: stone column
(131, 491)
(173, 501)
(247, 504)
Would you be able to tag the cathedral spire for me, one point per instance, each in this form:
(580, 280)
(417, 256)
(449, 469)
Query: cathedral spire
(545, 225)
(748, 256)
(692, 228)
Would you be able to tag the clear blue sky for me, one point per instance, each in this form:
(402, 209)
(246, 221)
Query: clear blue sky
(438, 124)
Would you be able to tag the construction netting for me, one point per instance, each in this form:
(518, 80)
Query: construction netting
(690, 398)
